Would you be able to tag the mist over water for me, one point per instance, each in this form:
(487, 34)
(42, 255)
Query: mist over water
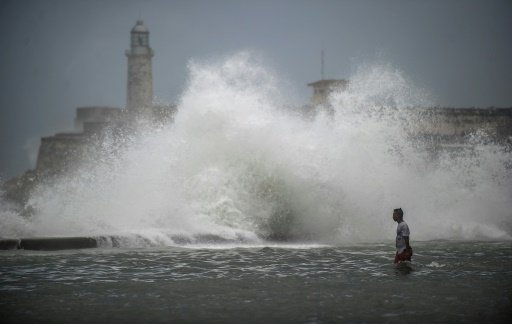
(239, 163)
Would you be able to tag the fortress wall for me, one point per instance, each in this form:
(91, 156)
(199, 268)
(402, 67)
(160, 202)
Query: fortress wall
(96, 114)
(496, 122)
(60, 152)
(450, 125)
(439, 128)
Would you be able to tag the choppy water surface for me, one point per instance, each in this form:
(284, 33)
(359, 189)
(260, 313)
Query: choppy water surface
(456, 282)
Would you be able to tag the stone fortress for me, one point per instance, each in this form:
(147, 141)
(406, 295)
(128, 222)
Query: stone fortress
(61, 151)
(444, 127)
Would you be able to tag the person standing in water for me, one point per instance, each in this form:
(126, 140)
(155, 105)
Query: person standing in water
(403, 249)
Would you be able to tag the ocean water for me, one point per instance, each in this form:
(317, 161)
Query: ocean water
(449, 282)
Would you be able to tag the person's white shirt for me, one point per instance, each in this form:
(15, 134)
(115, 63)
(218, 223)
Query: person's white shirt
(401, 230)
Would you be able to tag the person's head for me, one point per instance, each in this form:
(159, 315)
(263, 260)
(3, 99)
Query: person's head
(398, 214)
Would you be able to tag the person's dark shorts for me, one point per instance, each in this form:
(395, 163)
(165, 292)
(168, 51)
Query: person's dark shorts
(404, 256)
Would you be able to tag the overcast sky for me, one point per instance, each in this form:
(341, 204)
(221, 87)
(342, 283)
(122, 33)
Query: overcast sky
(59, 55)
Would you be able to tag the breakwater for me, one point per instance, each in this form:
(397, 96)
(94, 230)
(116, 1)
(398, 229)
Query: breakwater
(115, 241)
(48, 243)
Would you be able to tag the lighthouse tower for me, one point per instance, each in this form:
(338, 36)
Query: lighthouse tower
(140, 79)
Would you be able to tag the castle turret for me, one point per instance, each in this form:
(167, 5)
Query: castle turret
(323, 88)
(140, 79)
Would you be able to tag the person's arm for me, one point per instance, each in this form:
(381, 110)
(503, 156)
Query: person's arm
(407, 246)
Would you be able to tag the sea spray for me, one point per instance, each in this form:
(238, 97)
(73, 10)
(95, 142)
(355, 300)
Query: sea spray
(237, 165)
(12, 225)
(450, 194)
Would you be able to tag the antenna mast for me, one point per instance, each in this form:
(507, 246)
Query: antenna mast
(322, 65)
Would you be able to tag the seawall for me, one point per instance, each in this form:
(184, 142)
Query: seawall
(110, 241)
(48, 243)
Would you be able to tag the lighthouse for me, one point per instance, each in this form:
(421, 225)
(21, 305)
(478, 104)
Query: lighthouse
(140, 80)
